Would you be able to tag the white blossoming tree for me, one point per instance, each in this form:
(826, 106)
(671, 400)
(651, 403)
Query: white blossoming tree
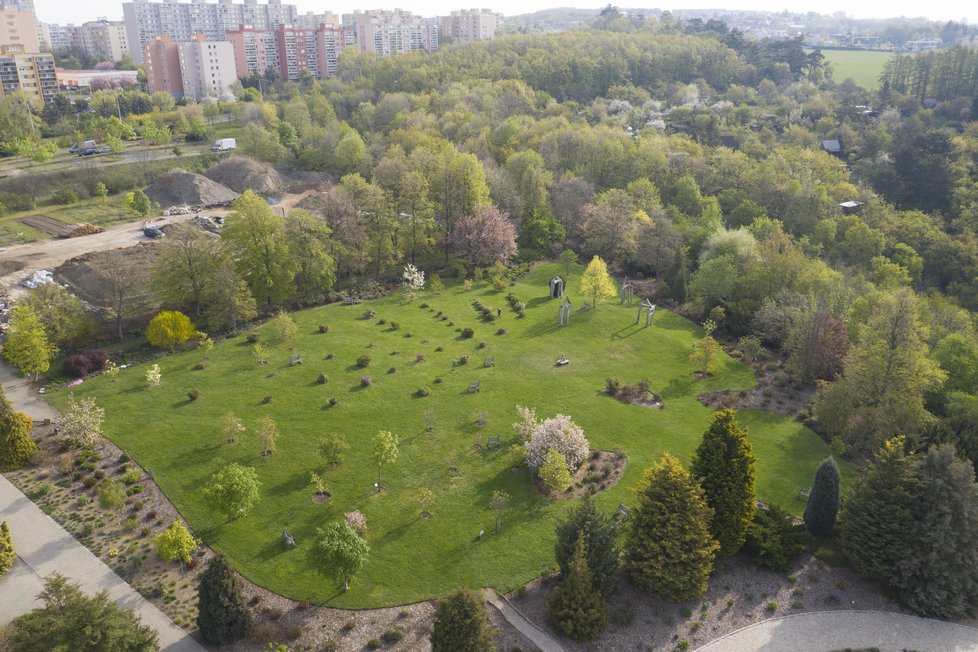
(153, 376)
(527, 423)
(413, 278)
(558, 433)
(82, 421)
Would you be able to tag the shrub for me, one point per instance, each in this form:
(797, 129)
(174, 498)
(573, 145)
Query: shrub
(333, 402)
(89, 482)
(461, 624)
(395, 325)
(366, 381)
(374, 644)
(97, 358)
(323, 328)
(369, 313)
(193, 394)
(266, 400)
(137, 505)
(612, 386)
(253, 338)
(322, 379)
(437, 380)
(130, 523)
(468, 332)
(135, 489)
(64, 196)
(420, 357)
(381, 322)
(423, 391)
(439, 349)
(392, 370)
(773, 539)
(771, 606)
(363, 361)
(501, 331)
(75, 366)
(463, 360)
(394, 634)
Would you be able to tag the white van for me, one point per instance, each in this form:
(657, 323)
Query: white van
(223, 145)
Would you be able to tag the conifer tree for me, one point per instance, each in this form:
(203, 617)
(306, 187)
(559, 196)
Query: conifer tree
(575, 608)
(876, 518)
(823, 501)
(461, 624)
(599, 545)
(222, 615)
(938, 576)
(724, 466)
(670, 550)
(17, 448)
(7, 554)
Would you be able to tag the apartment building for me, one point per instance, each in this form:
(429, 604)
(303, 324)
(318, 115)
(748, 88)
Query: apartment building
(198, 68)
(102, 39)
(289, 49)
(471, 24)
(181, 21)
(18, 27)
(392, 32)
(30, 72)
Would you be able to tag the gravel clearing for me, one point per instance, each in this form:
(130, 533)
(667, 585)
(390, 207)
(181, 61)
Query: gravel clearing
(186, 188)
(240, 173)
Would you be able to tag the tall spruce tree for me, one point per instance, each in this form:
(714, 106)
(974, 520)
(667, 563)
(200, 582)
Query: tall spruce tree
(876, 518)
(222, 615)
(938, 575)
(17, 448)
(599, 545)
(461, 624)
(724, 466)
(576, 608)
(670, 550)
(823, 501)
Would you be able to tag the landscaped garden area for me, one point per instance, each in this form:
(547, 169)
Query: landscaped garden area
(422, 392)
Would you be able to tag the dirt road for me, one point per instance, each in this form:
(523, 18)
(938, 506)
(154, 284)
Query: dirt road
(17, 262)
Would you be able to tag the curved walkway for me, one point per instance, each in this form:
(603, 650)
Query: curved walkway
(838, 630)
(544, 641)
(44, 547)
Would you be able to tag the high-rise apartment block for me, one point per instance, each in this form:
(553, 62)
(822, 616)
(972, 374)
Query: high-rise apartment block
(53, 36)
(198, 68)
(30, 72)
(182, 21)
(289, 50)
(471, 24)
(19, 28)
(392, 32)
(103, 40)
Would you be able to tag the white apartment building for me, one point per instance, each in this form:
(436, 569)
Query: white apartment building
(19, 28)
(181, 21)
(207, 69)
(54, 36)
(198, 68)
(392, 32)
(471, 24)
(103, 40)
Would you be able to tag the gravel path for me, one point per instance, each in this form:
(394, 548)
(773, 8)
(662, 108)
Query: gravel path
(540, 638)
(840, 630)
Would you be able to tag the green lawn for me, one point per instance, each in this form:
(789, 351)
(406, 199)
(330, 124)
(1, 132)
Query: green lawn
(862, 66)
(413, 559)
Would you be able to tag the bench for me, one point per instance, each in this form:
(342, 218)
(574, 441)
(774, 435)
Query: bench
(490, 361)
(492, 441)
(622, 513)
(474, 386)
(562, 361)
(295, 359)
(804, 493)
(351, 301)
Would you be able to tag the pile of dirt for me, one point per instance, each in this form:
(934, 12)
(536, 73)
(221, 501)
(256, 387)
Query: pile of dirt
(179, 187)
(241, 173)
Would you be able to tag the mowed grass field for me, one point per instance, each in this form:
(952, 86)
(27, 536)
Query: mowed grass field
(181, 444)
(862, 66)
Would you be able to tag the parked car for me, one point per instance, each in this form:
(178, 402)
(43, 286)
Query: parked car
(153, 232)
(78, 147)
(92, 151)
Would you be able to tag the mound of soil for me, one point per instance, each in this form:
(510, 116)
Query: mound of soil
(179, 187)
(240, 173)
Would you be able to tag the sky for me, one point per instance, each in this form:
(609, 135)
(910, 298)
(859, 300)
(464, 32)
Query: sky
(63, 11)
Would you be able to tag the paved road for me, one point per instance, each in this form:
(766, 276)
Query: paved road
(837, 630)
(43, 547)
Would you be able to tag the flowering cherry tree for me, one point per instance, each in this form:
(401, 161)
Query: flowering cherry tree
(558, 433)
(413, 278)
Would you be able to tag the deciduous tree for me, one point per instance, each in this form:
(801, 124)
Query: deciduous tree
(62, 313)
(27, 346)
(724, 466)
(484, 236)
(82, 421)
(385, 451)
(233, 490)
(256, 240)
(332, 448)
(670, 549)
(338, 553)
(596, 282)
(554, 472)
(176, 543)
(186, 262)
